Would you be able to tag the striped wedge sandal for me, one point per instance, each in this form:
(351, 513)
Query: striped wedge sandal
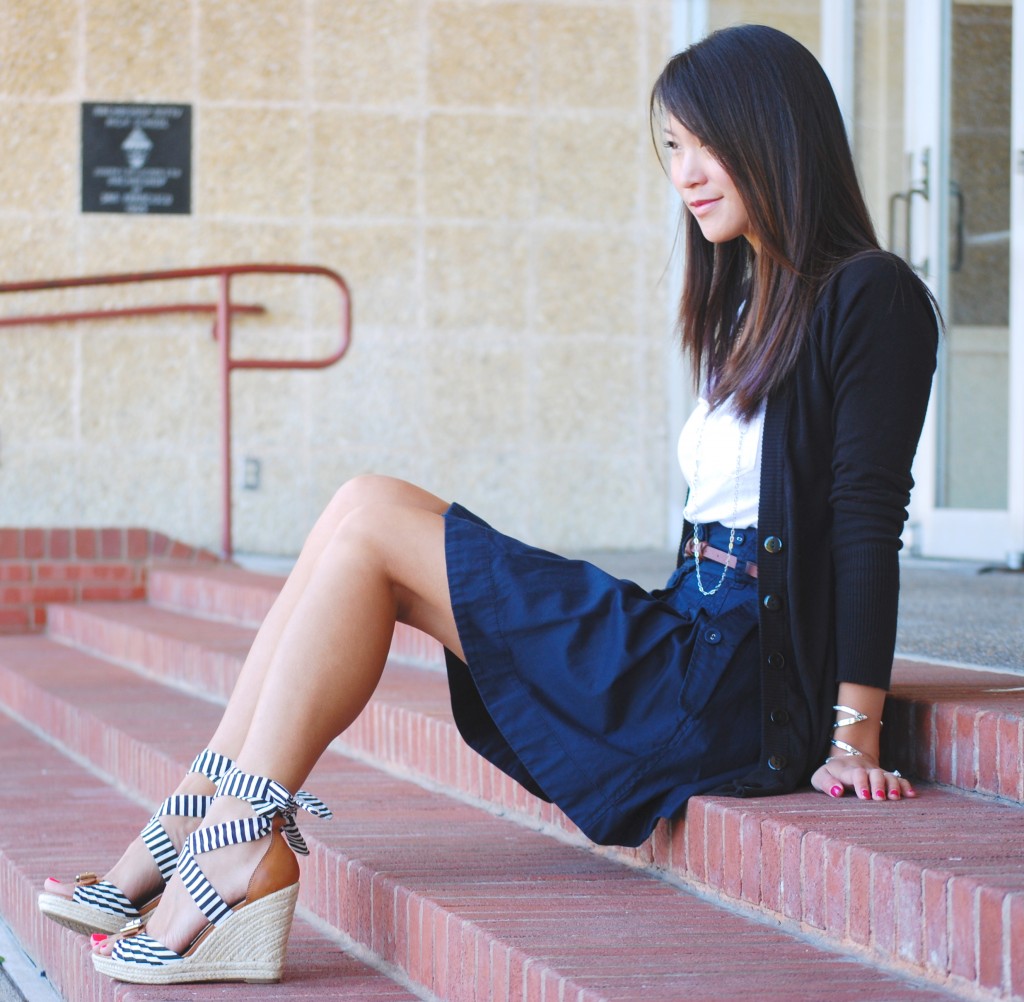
(244, 941)
(98, 905)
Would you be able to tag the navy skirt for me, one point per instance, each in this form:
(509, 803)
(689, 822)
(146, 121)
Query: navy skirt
(615, 703)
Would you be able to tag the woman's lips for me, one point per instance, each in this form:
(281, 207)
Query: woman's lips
(702, 205)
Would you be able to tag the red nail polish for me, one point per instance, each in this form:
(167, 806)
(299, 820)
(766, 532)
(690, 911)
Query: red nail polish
(836, 791)
(879, 795)
(866, 794)
(98, 937)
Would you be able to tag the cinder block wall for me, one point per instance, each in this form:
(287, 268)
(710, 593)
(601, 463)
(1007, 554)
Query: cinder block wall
(481, 172)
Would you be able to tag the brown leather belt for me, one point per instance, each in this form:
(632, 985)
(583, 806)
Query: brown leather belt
(721, 557)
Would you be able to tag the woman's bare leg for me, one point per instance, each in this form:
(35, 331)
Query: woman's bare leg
(370, 492)
(134, 873)
(381, 565)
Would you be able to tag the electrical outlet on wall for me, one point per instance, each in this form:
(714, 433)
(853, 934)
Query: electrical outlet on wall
(252, 474)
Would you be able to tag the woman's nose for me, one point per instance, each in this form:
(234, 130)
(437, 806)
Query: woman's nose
(687, 172)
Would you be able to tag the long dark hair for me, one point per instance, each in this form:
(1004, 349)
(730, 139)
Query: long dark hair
(762, 106)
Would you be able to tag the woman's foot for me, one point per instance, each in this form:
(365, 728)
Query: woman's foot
(177, 920)
(136, 873)
(133, 885)
(243, 853)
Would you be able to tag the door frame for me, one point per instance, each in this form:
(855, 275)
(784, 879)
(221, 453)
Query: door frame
(934, 531)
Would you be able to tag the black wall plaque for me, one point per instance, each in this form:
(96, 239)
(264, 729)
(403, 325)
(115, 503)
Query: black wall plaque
(137, 158)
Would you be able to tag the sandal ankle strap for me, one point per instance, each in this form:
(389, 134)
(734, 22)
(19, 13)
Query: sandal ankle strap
(214, 767)
(269, 799)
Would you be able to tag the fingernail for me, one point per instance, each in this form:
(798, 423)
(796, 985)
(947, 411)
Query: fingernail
(865, 794)
(836, 791)
(879, 795)
(894, 794)
(911, 793)
(98, 937)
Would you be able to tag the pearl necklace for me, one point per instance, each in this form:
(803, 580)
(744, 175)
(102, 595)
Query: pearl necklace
(707, 593)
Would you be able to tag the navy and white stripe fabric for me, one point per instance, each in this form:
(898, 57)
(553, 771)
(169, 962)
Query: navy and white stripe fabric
(214, 767)
(103, 895)
(143, 949)
(269, 799)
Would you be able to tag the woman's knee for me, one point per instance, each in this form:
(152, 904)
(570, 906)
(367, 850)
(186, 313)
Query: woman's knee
(365, 489)
(399, 547)
(373, 490)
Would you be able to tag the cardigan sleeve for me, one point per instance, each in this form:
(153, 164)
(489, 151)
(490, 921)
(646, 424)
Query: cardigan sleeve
(880, 347)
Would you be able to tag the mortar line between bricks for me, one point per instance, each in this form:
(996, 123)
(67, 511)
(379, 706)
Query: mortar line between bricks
(365, 955)
(982, 795)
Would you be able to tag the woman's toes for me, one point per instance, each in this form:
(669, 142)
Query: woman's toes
(54, 886)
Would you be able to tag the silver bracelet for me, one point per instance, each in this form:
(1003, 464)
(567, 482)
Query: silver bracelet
(855, 717)
(848, 749)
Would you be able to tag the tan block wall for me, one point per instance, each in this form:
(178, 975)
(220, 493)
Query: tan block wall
(799, 18)
(479, 171)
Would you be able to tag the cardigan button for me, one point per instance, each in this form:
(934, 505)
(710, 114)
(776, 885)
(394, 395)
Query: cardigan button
(776, 660)
(773, 544)
(772, 603)
(713, 636)
(780, 717)
(777, 762)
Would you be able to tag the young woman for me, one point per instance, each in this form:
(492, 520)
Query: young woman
(761, 665)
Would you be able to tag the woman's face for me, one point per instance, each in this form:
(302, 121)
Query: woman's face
(705, 187)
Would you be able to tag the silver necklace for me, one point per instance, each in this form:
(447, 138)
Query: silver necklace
(707, 593)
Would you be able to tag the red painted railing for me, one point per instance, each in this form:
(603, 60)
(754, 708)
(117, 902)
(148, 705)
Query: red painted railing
(223, 311)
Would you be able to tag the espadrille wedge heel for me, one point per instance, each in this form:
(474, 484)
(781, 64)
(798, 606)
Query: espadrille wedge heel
(244, 941)
(98, 905)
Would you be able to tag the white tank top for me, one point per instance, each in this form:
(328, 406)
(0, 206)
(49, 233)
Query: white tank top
(725, 477)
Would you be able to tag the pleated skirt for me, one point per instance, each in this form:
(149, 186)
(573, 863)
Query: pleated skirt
(615, 703)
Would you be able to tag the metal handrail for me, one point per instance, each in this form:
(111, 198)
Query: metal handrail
(223, 310)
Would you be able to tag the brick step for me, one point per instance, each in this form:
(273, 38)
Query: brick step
(409, 727)
(958, 726)
(69, 807)
(469, 905)
(223, 592)
(234, 595)
(834, 867)
(955, 726)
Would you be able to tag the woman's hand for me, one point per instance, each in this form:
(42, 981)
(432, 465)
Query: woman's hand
(863, 776)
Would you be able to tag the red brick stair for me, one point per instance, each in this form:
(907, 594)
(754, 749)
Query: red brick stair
(471, 906)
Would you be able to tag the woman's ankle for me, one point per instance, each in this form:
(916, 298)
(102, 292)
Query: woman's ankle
(136, 873)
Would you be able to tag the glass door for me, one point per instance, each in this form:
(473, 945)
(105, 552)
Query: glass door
(955, 218)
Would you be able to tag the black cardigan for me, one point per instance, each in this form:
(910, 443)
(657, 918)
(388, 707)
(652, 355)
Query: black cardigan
(838, 443)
